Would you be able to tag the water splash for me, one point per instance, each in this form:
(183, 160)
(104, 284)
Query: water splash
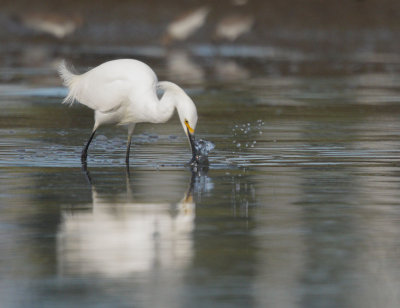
(202, 148)
(243, 132)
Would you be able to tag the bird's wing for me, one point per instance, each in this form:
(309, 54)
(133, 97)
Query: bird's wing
(104, 95)
(111, 85)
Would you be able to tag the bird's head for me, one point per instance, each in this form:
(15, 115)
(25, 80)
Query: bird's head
(188, 117)
(186, 109)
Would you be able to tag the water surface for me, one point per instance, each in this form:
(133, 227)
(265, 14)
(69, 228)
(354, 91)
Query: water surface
(299, 207)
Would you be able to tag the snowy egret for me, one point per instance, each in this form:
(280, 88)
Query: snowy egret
(124, 92)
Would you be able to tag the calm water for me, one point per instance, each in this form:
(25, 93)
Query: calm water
(299, 207)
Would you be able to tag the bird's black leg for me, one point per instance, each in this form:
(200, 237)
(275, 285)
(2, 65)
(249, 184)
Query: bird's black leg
(128, 150)
(193, 148)
(131, 127)
(85, 149)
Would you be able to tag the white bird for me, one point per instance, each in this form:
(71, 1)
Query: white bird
(124, 92)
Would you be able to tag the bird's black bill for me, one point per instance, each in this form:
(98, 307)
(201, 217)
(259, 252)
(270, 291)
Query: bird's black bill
(200, 149)
(192, 144)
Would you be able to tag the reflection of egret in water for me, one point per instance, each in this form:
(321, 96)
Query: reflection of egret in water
(120, 238)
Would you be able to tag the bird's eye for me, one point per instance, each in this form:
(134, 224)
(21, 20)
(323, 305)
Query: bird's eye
(186, 122)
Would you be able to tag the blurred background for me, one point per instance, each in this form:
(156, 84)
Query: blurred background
(334, 35)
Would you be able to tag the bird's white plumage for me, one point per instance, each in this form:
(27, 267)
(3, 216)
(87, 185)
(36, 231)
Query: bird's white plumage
(108, 86)
(125, 92)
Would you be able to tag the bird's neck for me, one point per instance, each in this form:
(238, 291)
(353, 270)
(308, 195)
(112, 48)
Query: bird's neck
(174, 97)
(166, 107)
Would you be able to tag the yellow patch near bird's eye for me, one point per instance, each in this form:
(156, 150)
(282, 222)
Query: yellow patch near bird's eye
(191, 130)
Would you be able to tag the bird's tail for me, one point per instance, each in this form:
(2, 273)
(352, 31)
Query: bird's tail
(69, 80)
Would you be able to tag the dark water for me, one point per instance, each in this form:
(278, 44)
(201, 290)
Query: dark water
(299, 207)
